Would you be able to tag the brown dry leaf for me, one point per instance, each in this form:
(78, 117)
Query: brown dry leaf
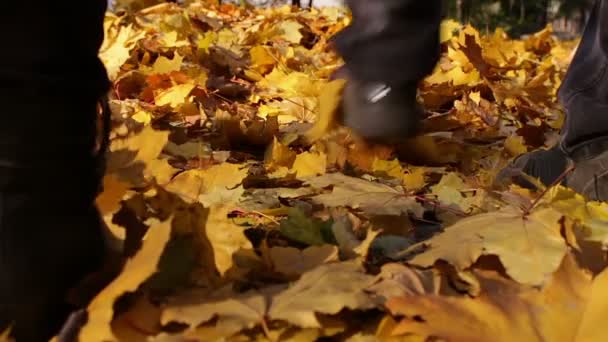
(350, 246)
(234, 311)
(397, 280)
(530, 247)
(327, 289)
(566, 309)
(225, 236)
(135, 272)
(294, 262)
(372, 198)
(215, 185)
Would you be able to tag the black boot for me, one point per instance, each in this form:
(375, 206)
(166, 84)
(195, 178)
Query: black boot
(390, 46)
(381, 113)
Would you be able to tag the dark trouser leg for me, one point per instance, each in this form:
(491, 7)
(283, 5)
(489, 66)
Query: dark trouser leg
(50, 232)
(584, 92)
(391, 41)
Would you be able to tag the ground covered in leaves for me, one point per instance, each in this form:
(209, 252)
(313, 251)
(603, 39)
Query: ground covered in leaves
(248, 214)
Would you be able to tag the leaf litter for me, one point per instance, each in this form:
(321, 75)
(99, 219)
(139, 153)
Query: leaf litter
(284, 226)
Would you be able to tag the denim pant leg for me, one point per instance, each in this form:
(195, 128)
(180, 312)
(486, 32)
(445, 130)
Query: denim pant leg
(391, 41)
(584, 92)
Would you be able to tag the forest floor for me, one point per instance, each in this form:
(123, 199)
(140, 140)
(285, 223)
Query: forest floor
(249, 214)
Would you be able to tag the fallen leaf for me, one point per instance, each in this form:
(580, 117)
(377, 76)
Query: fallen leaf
(372, 198)
(329, 101)
(210, 187)
(135, 272)
(113, 191)
(278, 154)
(505, 311)
(294, 262)
(304, 229)
(291, 31)
(515, 145)
(530, 247)
(225, 236)
(328, 289)
(309, 164)
(175, 95)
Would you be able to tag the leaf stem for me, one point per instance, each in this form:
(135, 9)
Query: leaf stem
(544, 193)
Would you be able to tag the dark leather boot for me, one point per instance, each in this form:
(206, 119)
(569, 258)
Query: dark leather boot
(381, 113)
(589, 176)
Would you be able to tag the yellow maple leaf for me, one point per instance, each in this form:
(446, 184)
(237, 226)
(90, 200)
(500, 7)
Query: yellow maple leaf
(164, 65)
(135, 272)
(515, 145)
(129, 157)
(118, 50)
(561, 311)
(291, 31)
(262, 59)
(448, 27)
(214, 185)
(391, 168)
(175, 95)
(113, 191)
(278, 155)
(225, 236)
(309, 164)
(530, 248)
(415, 179)
(171, 40)
(329, 101)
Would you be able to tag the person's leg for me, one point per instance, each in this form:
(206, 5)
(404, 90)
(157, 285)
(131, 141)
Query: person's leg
(389, 47)
(584, 91)
(50, 231)
(584, 95)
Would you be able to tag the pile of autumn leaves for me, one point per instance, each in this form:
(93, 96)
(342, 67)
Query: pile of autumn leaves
(248, 214)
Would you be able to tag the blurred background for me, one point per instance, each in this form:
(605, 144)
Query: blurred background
(517, 17)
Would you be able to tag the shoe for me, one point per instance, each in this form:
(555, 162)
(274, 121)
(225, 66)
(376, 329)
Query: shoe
(380, 112)
(589, 176)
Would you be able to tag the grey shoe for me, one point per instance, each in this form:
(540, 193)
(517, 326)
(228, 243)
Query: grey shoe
(589, 176)
(380, 112)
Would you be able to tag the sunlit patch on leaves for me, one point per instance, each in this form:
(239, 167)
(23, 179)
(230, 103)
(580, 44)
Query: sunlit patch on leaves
(287, 226)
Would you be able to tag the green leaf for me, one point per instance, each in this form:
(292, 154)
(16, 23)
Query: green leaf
(301, 228)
